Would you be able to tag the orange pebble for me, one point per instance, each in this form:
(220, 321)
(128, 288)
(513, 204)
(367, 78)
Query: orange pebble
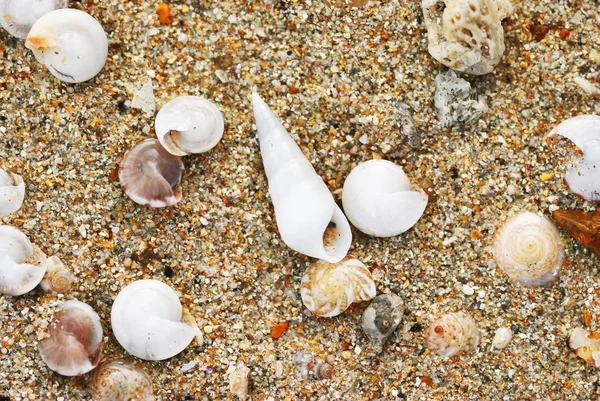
(279, 329)
(164, 14)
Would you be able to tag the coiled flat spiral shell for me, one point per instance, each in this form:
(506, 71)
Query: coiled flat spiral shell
(452, 334)
(309, 220)
(328, 289)
(528, 248)
(381, 318)
(75, 344)
(12, 193)
(70, 43)
(17, 275)
(18, 16)
(380, 200)
(583, 176)
(147, 320)
(189, 124)
(119, 381)
(586, 345)
(58, 278)
(150, 175)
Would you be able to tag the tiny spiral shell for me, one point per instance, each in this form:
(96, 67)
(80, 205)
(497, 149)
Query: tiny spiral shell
(118, 381)
(328, 289)
(528, 248)
(325, 371)
(451, 334)
(58, 278)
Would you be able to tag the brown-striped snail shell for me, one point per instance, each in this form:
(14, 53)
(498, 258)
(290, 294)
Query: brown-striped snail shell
(119, 381)
(452, 334)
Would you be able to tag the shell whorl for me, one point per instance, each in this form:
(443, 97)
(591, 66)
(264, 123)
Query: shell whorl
(451, 334)
(12, 193)
(118, 381)
(58, 278)
(328, 289)
(528, 248)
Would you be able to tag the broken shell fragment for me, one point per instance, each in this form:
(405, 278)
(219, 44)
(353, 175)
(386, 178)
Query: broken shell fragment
(583, 177)
(119, 381)
(189, 124)
(150, 175)
(148, 321)
(528, 248)
(586, 345)
(382, 317)
(12, 193)
(18, 16)
(75, 344)
(328, 289)
(58, 278)
(238, 381)
(502, 337)
(309, 220)
(583, 226)
(380, 200)
(452, 334)
(17, 275)
(70, 43)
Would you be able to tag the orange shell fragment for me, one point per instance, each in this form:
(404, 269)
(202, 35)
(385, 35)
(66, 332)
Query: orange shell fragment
(164, 14)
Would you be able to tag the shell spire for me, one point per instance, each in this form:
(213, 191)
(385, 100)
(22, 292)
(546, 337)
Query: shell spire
(309, 220)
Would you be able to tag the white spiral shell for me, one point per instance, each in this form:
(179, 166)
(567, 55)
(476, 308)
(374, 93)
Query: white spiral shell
(328, 289)
(583, 177)
(309, 220)
(380, 200)
(528, 248)
(586, 345)
(58, 278)
(12, 193)
(147, 321)
(189, 124)
(118, 381)
(17, 276)
(452, 334)
(18, 16)
(70, 43)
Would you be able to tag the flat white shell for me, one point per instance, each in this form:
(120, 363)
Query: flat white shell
(12, 193)
(147, 321)
(583, 177)
(189, 124)
(70, 43)
(380, 200)
(18, 16)
(18, 277)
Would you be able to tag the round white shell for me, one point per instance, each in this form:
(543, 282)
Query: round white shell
(502, 337)
(18, 277)
(189, 124)
(18, 16)
(70, 43)
(147, 321)
(528, 248)
(12, 193)
(452, 334)
(380, 200)
(583, 177)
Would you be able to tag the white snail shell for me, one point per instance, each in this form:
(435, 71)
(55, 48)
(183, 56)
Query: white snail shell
(502, 337)
(18, 16)
(583, 177)
(58, 278)
(189, 124)
(380, 200)
(452, 334)
(528, 248)
(586, 345)
(12, 193)
(238, 380)
(119, 381)
(75, 344)
(70, 43)
(309, 220)
(147, 321)
(17, 276)
(328, 289)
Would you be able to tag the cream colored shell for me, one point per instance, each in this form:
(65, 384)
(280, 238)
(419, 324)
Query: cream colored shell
(452, 334)
(238, 380)
(58, 278)
(119, 381)
(12, 193)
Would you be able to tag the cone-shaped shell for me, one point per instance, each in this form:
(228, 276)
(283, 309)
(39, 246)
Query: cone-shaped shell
(583, 226)
(75, 344)
(452, 334)
(118, 381)
(309, 220)
(12, 192)
(147, 319)
(18, 16)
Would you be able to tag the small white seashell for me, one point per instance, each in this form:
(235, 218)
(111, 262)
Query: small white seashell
(75, 344)
(238, 381)
(586, 345)
(583, 177)
(12, 193)
(502, 337)
(18, 16)
(70, 43)
(328, 289)
(17, 276)
(147, 321)
(58, 278)
(309, 220)
(380, 200)
(528, 248)
(118, 381)
(189, 124)
(452, 334)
